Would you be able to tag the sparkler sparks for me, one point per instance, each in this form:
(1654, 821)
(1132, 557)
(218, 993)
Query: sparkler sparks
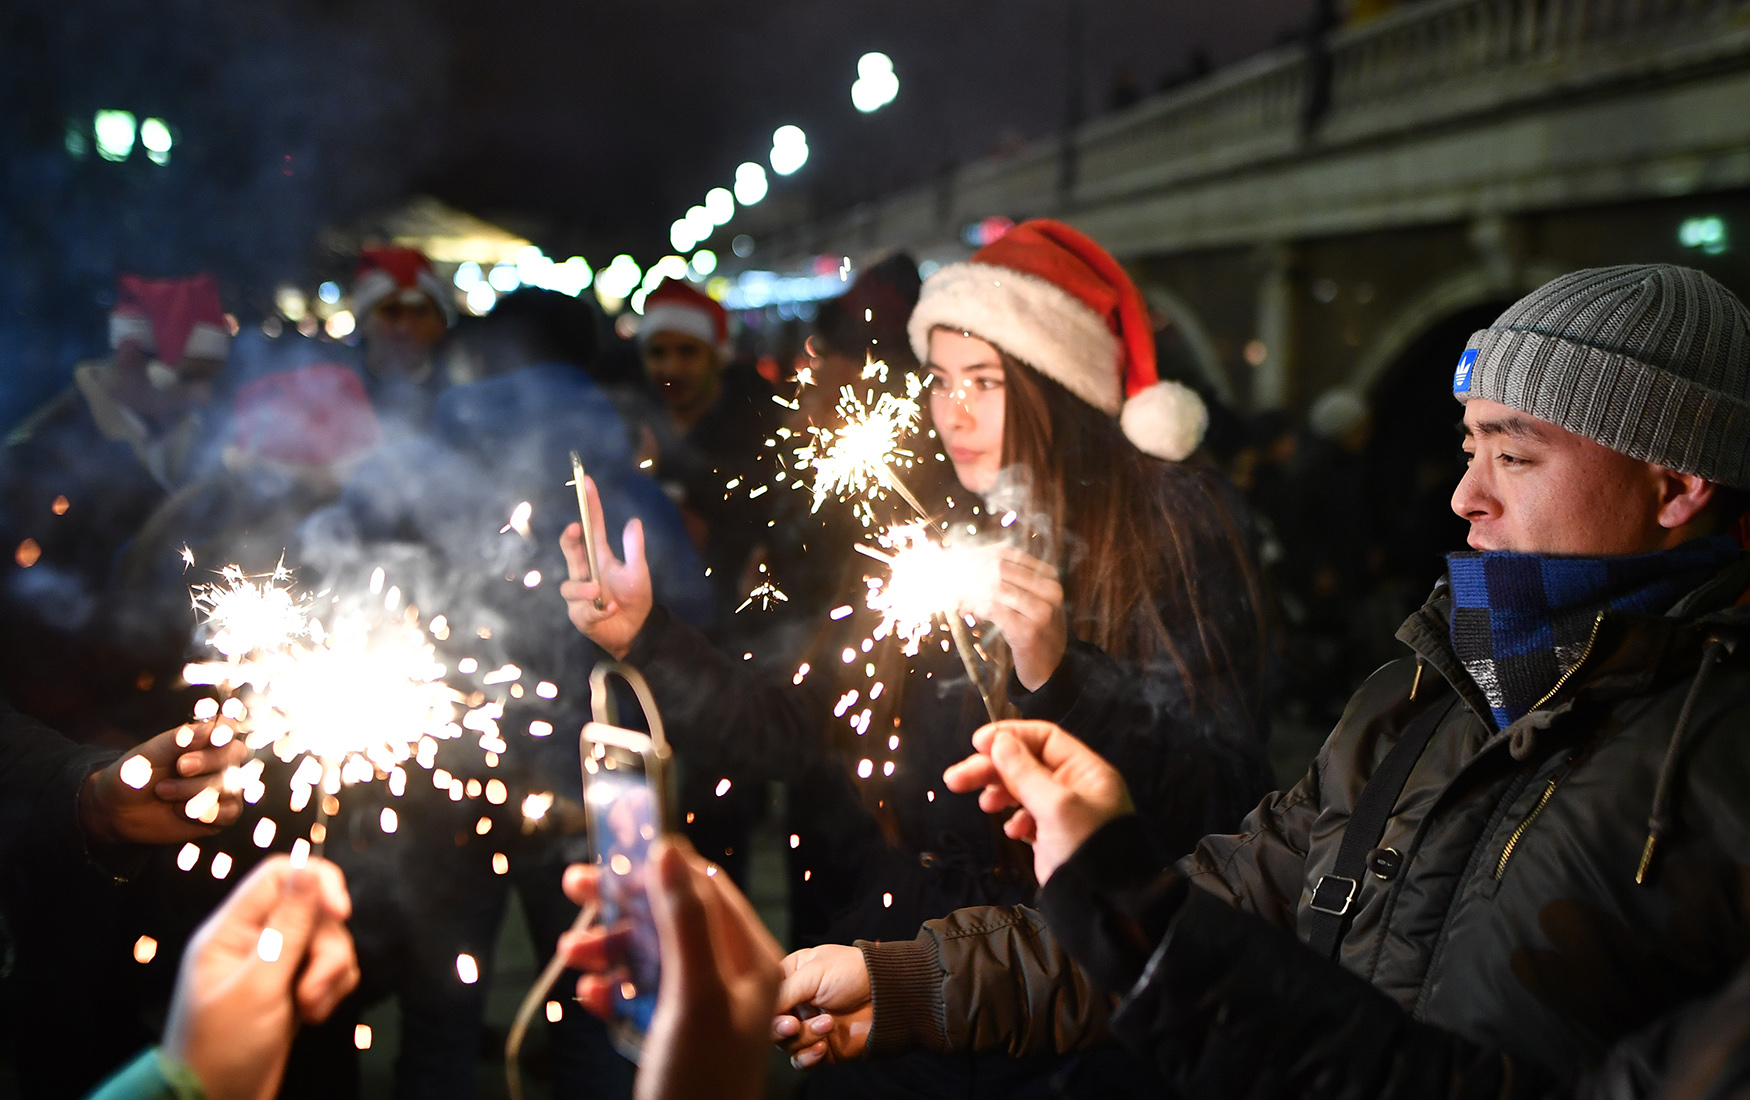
(858, 458)
(355, 697)
(925, 579)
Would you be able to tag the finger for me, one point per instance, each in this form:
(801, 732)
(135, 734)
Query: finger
(162, 749)
(682, 921)
(230, 809)
(209, 761)
(1023, 579)
(802, 1040)
(785, 1027)
(1031, 732)
(1028, 780)
(632, 541)
(1022, 604)
(1021, 826)
(971, 774)
(336, 900)
(251, 903)
(799, 987)
(571, 545)
(284, 939)
(330, 973)
(981, 737)
(180, 791)
(595, 994)
(809, 1057)
(586, 950)
(579, 883)
(994, 800)
(598, 523)
(584, 593)
(747, 944)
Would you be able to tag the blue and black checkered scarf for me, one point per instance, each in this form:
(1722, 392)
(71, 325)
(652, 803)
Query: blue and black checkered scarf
(1521, 620)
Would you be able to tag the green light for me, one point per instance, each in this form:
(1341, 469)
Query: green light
(114, 131)
(155, 136)
(1707, 234)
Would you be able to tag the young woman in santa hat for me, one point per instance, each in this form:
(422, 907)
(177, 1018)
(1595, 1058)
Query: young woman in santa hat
(1127, 609)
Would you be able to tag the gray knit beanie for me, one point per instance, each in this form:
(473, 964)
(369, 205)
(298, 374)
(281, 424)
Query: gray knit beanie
(1650, 360)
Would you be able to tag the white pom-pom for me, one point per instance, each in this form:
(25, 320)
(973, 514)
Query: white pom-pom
(1166, 420)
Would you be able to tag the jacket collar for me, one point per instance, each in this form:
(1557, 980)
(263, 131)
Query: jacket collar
(1629, 651)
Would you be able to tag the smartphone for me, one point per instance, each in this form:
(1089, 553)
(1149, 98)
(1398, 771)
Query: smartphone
(625, 794)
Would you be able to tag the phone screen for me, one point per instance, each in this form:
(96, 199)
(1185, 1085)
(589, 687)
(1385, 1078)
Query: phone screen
(624, 820)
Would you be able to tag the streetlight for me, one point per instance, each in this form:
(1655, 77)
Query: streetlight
(750, 183)
(720, 204)
(789, 149)
(876, 85)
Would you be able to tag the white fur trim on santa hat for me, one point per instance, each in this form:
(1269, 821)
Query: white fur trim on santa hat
(1166, 420)
(127, 326)
(1033, 319)
(376, 286)
(675, 317)
(207, 342)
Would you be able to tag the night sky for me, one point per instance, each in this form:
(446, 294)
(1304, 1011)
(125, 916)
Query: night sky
(586, 125)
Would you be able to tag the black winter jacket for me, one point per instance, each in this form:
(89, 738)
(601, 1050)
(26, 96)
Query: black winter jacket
(1527, 927)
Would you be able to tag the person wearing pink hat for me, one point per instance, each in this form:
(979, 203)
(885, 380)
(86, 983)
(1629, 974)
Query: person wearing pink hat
(1124, 605)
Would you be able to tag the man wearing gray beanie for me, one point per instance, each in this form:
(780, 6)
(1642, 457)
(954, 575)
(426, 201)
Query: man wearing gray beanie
(1522, 843)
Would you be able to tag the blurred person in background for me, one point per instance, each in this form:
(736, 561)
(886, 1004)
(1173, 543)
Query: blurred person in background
(404, 312)
(79, 477)
(709, 428)
(294, 438)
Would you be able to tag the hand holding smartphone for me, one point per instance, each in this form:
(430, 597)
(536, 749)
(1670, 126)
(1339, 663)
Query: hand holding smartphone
(625, 790)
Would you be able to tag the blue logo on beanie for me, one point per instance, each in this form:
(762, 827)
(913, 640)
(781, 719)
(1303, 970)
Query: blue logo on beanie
(1461, 376)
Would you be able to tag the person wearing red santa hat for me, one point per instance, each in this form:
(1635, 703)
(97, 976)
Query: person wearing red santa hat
(404, 312)
(79, 476)
(713, 420)
(1119, 598)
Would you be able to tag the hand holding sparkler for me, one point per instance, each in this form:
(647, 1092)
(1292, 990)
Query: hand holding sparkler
(142, 798)
(609, 606)
(275, 954)
(834, 980)
(1065, 791)
(1026, 604)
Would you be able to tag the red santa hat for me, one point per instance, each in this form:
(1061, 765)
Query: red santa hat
(676, 307)
(404, 273)
(1061, 304)
(313, 416)
(171, 319)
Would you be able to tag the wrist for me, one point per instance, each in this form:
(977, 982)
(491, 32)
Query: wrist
(96, 815)
(905, 991)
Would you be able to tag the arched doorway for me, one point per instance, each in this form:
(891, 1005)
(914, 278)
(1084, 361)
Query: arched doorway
(1412, 459)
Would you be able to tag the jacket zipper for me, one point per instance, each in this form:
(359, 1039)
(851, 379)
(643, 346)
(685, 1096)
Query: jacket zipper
(1513, 841)
(1575, 667)
(1550, 787)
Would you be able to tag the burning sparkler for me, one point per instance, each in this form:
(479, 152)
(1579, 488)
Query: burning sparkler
(926, 578)
(356, 698)
(859, 458)
(765, 593)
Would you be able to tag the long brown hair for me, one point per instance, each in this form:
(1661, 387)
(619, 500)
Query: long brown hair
(1134, 537)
